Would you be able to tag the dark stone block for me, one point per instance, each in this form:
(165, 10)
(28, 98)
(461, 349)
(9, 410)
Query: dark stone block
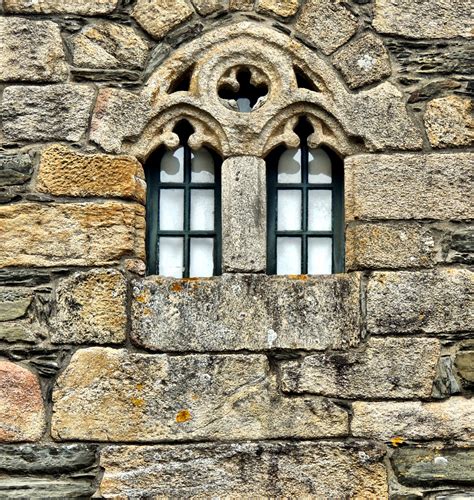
(45, 488)
(15, 169)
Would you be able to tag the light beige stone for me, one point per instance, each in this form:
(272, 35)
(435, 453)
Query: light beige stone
(22, 415)
(91, 309)
(20, 331)
(255, 312)
(80, 7)
(438, 301)
(449, 122)
(158, 17)
(241, 4)
(421, 19)
(387, 368)
(31, 51)
(450, 419)
(465, 365)
(75, 234)
(115, 395)
(279, 469)
(282, 8)
(206, 7)
(66, 172)
(409, 186)
(14, 303)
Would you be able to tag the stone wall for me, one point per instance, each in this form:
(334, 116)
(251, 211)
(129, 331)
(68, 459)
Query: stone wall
(118, 385)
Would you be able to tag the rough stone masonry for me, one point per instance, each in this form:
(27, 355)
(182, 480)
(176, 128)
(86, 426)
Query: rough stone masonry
(118, 385)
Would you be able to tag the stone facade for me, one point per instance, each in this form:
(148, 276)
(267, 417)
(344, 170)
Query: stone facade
(114, 384)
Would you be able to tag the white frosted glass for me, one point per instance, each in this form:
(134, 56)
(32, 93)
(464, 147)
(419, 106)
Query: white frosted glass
(320, 210)
(288, 255)
(171, 209)
(319, 256)
(244, 105)
(289, 166)
(171, 257)
(201, 258)
(202, 166)
(202, 209)
(319, 167)
(289, 210)
(172, 166)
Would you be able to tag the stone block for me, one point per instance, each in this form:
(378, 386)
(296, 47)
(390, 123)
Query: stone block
(31, 51)
(438, 301)
(159, 17)
(15, 169)
(388, 368)
(20, 332)
(277, 469)
(363, 61)
(14, 303)
(244, 215)
(90, 309)
(65, 172)
(465, 366)
(235, 5)
(326, 24)
(282, 8)
(206, 7)
(421, 19)
(74, 234)
(449, 122)
(22, 415)
(115, 395)
(40, 488)
(255, 312)
(409, 186)
(450, 419)
(53, 112)
(80, 7)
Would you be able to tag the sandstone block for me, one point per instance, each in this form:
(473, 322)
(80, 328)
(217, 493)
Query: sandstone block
(75, 234)
(437, 301)
(159, 17)
(450, 419)
(91, 309)
(15, 169)
(116, 395)
(409, 186)
(282, 8)
(65, 172)
(244, 470)
(31, 51)
(465, 366)
(450, 122)
(20, 331)
(54, 112)
(254, 312)
(80, 7)
(326, 24)
(14, 303)
(206, 7)
(386, 368)
(22, 416)
(241, 4)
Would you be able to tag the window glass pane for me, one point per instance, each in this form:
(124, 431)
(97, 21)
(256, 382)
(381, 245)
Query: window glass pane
(202, 209)
(288, 255)
(319, 210)
(171, 209)
(171, 257)
(319, 167)
(289, 166)
(289, 209)
(172, 166)
(319, 255)
(202, 166)
(201, 258)
(244, 105)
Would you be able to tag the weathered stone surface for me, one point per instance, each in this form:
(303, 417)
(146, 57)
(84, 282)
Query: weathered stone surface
(327, 24)
(22, 416)
(81, 7)
(31, 51)
(430, 466)
(206, 7)
(245, 470)
(389, 246)
(408, 186)
(15, 169)
(465, 366)
(363, 61)
(55, 112)
(241, 4)
(14, 303)
(450, 419)
(108, 395)
(449, 121)
(256, 312)
(41, 488)
(109, 45)
(445, 383)
(65, 172)
(282, 8)
(461, 246)
(386, 368)
(159, 17)
(77, 234)
(244, 214)
(437, 301)
(19, 331)
(421, 19)
(91, 308)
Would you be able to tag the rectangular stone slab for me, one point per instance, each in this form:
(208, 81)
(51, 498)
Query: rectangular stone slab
(254, 312)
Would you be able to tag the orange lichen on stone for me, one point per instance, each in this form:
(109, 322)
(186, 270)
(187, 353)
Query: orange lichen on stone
(183, 416)
(138, 402)
(301, 277)
(396, 440)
